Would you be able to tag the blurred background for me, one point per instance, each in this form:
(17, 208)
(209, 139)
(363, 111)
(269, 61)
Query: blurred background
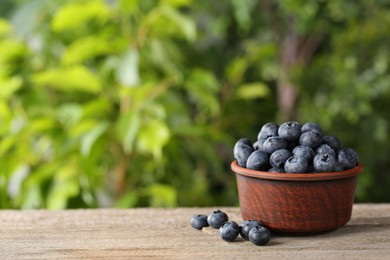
(130, 103)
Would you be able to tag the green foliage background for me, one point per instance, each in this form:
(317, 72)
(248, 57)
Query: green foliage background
(138, 103)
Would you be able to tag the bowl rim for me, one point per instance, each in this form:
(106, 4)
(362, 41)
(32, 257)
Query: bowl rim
(296, 176)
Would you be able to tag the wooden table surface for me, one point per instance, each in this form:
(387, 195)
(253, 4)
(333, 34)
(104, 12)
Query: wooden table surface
(167, 234)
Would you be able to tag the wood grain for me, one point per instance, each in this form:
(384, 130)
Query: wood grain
(166, 234)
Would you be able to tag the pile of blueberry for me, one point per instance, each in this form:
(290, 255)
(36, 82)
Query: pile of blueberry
(251, 230)
(294, 148)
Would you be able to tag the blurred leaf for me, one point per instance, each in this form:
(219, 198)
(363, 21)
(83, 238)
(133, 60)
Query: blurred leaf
(9, 86)
(26, 18)
(129, 7)
(162, 195)
(65, 186)
(152, 137)
(71, 15)
(253, 91)
(5, 27)
(128, 200)
(88, 140)
(184, 23)
(127, 72)
(177, 2)
(77, 78)
(86, 48)
(128, 128)
(242, 12)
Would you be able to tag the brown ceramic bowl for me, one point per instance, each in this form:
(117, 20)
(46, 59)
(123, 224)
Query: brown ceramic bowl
(297, 203)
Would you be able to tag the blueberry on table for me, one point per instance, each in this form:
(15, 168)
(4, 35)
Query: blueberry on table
(242, 149)
(246, 226)
(324, 163)
(199, 221)
(258, 160)
(217, 218)
(290, 131)
(310, 126)
(279, 157)
(229, 231)
(259, 235)
(274, 143)
(310, 139)
(268, 130)
(296, 164)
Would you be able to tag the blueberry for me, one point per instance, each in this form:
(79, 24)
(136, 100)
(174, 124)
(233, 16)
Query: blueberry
(259, 235)
(279, 157)
(290, 131)
(338, 167)
(217, 218)
(229, 231)
(332, 141)
(311, 139)
(199, 221)
(246, 226)
(304, 152)
(347, 158)
(268, 130)
(324, 163)
(242, 149)
(324, 148)
(258, 160)
(258, 144)
(296, 164)
(353, 153)
(274, 143)
(311, 127)
(275, 169)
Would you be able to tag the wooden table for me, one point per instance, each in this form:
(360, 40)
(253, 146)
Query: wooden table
(167, 234)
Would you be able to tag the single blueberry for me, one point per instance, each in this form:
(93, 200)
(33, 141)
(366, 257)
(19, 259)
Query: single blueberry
(259, 235)
(296, 164)
(347, 158)
(268, 130)
(333, 142)
(242, 149)
(310, 126)
(274, 143)
(311, 139)
(274, 169)
(199, 221)
(279, 157)
(324, 162)
(217, 218)
(258, 160)
(290, 131)
(229, 231)
(324, 148)
(258, 144)
(246, 226)
(353, 153)
(304, 152)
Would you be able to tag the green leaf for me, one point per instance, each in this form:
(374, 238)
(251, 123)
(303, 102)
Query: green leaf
(69, 79)
(128, 200)
(5, 27)
(9, 86)
(86, 48)
(184, 23)
(128, 127)
(252, 91)
(162, 195)
(127, 71)
(153, 137)
(177, 3)
(70, 16)
(88, 140)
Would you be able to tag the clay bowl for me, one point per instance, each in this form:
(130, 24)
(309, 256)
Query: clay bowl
(297, 203)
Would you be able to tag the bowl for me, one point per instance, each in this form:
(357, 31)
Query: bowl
(297, 203)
